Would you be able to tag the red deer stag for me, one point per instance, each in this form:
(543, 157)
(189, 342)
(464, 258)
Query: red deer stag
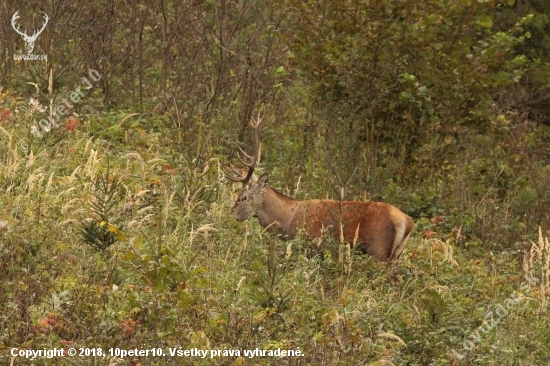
(376, 228)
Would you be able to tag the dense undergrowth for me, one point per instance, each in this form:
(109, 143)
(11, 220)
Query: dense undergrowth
(115, 224)
(178, 271)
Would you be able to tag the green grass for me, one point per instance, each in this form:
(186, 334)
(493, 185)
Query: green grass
(182, 274)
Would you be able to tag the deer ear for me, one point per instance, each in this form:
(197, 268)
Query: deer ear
(262, 181)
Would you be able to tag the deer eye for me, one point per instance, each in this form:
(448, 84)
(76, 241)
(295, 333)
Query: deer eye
(243, 198)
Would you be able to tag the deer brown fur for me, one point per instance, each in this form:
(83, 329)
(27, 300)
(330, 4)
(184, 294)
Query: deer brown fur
(376, 228)
(382, 230)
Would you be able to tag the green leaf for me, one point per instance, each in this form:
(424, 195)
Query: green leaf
(166, 261)
(130, 256)
(485, 21)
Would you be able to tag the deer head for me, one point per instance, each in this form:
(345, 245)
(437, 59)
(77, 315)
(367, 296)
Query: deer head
(250, 197)
(28, 39)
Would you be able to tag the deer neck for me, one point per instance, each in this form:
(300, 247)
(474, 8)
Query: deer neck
(277, 212)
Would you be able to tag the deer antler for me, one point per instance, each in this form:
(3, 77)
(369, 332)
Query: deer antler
(36, 33)
(28, 39)
(253, 160)
(13, 19)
